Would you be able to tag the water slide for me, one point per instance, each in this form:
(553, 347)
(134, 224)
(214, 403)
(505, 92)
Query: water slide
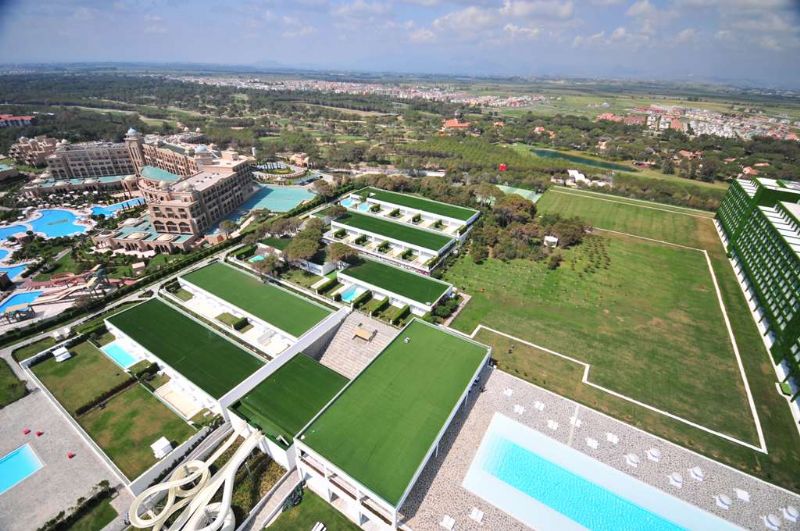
(189, 491)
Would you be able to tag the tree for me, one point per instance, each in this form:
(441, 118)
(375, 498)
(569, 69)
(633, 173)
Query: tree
(227, 226)
(268, 266)
(513, 208)
(301, 249)
(340, 252)
(479, 252)
(336, 211)
(668, 166)
(323, 189)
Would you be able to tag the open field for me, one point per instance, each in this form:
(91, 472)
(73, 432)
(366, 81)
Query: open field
(212, 363)
(75, 382)
(127, 426)
(397, 231)
(780, 465)
(419, 203)
(276, 306)
(23, 353)
(400, 281)
(284, 403)
(310, 511)
(380, 427)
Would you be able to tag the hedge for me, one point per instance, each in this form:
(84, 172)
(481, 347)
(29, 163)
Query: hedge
(147, 371)
(380, 307)
(102, 397)
(326, 285)
(362, 299)
(64, 522)
(240, 323)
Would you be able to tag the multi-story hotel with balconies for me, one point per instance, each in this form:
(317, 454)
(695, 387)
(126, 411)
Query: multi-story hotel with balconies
(33, 151)
(761, 223)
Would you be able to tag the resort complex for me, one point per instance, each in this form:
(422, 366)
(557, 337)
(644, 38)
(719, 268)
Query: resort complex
(761, 223)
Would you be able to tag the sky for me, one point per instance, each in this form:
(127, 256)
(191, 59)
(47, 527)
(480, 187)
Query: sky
(731, 41)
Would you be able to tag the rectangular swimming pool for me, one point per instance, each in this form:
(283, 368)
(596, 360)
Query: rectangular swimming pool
(18, 465)
(121, 357)
(548, 485)
(351, 293)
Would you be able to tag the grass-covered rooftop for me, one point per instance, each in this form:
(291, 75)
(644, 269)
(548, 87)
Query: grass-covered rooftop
(418, 203)
(278, 307)
(389, 229)
(380, 427)
(209, 361)
(404, 283)
(290, 397)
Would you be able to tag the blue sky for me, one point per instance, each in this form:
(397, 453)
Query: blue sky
(753, 40)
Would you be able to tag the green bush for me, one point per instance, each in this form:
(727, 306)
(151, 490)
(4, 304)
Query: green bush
(339, 234)
(379, 307)
(416, 219)
(361, 240)
(240, 323)
(362, 299)
(326, 286)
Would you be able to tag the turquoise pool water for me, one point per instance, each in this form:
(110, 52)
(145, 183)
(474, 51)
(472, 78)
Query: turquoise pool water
(54, 223)
(13, 271)
(364, 207)
(19, 298)
(18, 465)
(551, 154)
(548, 485)
(121, 357)
(277, 198)
(111, 210)
(349, 202)
(11, 230)
(256, 258)
(351, 293)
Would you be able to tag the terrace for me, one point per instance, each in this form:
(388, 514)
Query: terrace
(394, 413)
(185, 349)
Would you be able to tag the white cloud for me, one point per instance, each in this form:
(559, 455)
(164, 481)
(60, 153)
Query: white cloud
(294, 27)
(361, 8)
(770, 43)
(642, 8)
(422, 35)
(538, 8)
(618, 34)
(685, 36)
(522, 32)
(466, 21)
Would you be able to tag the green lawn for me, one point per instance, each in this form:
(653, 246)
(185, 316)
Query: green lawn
(11, 387)
(278, 243)
(212, 363)
(418, 203)
(399, 281)
(311, 510)
(379, 429)
(397, 231)
(23, 353)
(88, 325)
(77, 381)
(127, 426)
(97, 518)
(290, 397)
(274, 305)
(300, 277)
(491, 306)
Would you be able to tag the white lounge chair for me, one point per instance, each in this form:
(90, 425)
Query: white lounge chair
(508, 391)
(697, 473)
(723, 501)
(476, 514)
(653, 454)
(553, 425)
(742, 495)
(538, 406)
(518, 409)
(771, 522)
(676, 480)
(632, 460)
(319, 526)
(612, 438)
(448, 522)
(592, 443)
(790, 513)
(575, 421)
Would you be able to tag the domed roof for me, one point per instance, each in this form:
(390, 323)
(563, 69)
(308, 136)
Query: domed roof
(202, 148)
(132, 131)
(164, 185)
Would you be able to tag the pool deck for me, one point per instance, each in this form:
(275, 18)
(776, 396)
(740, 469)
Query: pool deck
(61, 481)
(438, 491)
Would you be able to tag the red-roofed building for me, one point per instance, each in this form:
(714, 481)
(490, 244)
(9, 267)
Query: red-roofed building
(455, 123)
(609, 116)
(635, 119)
(11, 120)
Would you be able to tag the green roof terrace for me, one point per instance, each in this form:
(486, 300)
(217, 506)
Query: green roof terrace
(424, 290)
(396, 231)
(418, 203)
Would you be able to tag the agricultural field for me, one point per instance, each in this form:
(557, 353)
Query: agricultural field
(644, 315)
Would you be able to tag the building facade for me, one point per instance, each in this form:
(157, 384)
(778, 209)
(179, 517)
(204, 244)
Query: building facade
(761, 224)
(33, 151)
(89, 160)
(10, 120)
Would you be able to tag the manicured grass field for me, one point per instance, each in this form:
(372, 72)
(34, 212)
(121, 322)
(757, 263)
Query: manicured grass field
(419, 203)
(85, 376)
(311, 510)
(127, 426)
(397, 231)
(379, 429)
(290, 397)
(782, 463)
(278, 243)
(11, 387)
(300, 277)
(212, 363)
(279, 307)
(100, 516)
(404, 283)
(23, 353)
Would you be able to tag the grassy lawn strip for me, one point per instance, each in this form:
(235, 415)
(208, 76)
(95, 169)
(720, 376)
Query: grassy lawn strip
(212, 363)
(127, 426)
(301, 277)
(278, 243)
(399, 281)
(311, 510)
(97, 518)
(23, 353)
(397, 231)
(183, 295)
(81, 378)
(285, 402)
(88, 325)
(274, 305)
(11, 387)
(380, 427)
(419, 203)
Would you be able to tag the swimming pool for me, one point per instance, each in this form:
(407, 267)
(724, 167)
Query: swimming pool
(11, 230)
(256, 258)
(19, 298)
(13, 271)
(121, 357)
(111, 210)
(548, 485)
(349, 202)
(18, 465)
(277, 198)
(351, 293)
(54, 223)
(364, 207)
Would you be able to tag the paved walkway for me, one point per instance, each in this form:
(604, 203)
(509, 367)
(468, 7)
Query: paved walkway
(439, 491)
(347, 354)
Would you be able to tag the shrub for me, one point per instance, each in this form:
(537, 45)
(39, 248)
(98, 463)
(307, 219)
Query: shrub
(362, 299)
(382, 305)
(339, 234)
(407, 254)
(416, 219)
(395, 213)
(64, 522)
(384, 247)
(361, 240)
(375, 208)
(240, 323)
(147, 372)
(326, 286)
(400, 314)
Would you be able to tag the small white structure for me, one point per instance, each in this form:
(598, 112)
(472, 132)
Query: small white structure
(138, 268)
(61, 333)
(577, 176)
(161, 448)
(676, 480)
(61, 354)
(551, 241)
